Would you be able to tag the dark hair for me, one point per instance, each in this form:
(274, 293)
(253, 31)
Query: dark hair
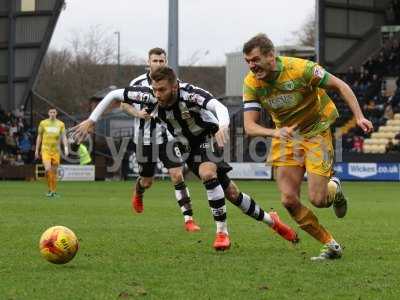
(157, 51)
(51, 108)
(261, 41)
(164, 73)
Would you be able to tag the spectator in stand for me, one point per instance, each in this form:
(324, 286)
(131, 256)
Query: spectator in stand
(380, 68)
(374, 87)
(3, 129)
(13, 129)
(7, 117)
(11, 144)
(395, 101)
(347, 141)
(358, 143)
(396, 8)
(390, 14)
(4, 159)
(20, 124)
(390, 147)
(369, 108)
(25, 144)
(350, 76)
(388, 113)
(19, 112)
(18, 160)
(15, 138)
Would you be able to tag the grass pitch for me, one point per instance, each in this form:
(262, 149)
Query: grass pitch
(150, 256)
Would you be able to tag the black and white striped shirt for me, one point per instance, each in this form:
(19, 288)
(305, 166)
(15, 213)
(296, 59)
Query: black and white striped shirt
(188, 118)
(147, 132)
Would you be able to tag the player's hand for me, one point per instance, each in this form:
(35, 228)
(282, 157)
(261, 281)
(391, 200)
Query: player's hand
(143, 114)
(125, 107)
(81, 130)
(222, 136)
(36, 155)
(365, 125)
(285, 133)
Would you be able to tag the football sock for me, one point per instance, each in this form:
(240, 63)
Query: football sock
(139, 189)
(54, 180)
(216, 201)
(183, 198)
(309, 223)
(332, 190)
(48, 178)
(252, 209)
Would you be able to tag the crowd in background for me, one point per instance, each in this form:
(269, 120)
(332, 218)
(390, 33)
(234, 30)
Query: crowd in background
(367, 83)
(16, 139)
(393, 12)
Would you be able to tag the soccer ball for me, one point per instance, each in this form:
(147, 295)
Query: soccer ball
(58, 244)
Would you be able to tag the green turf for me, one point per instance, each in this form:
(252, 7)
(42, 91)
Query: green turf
(150, 256)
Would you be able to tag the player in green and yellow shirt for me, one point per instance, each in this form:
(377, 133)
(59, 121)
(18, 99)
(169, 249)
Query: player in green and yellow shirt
(50, 132)
(292, 91)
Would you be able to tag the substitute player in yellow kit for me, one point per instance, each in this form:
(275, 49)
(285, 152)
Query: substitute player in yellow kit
(50, 132)
(292, 91)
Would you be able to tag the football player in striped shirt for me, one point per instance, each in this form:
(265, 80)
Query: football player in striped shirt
(196, 119)
(292, 91)
(152, 138)
(50, 132)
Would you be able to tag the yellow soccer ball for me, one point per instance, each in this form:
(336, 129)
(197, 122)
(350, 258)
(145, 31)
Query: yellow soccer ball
(58, 244)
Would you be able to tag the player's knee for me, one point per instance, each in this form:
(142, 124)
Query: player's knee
(290, 201)
(232, 193)
(146, 183)
(317, 198)
(176, 176)
(206, 175)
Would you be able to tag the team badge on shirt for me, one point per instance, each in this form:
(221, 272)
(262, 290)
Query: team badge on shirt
(319, 72)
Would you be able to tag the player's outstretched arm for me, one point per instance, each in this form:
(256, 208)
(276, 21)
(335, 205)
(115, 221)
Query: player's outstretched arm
(338, 85)
(130, 110)
(81, 130)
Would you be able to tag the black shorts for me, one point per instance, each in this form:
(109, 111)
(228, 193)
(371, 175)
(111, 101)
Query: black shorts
(198, 152)
(147, 156)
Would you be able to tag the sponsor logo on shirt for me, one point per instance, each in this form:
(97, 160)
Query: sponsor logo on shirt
(196, 98)
(282, 101)
(52, 129)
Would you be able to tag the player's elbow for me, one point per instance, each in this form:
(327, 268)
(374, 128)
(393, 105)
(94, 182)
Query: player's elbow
(249, 130)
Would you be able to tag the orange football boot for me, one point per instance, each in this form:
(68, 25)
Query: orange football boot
(191, 226)
(282, 229)
(221, 241)
(137, 203)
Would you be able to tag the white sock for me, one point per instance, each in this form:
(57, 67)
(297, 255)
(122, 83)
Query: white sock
(222, 227)
(267, 219)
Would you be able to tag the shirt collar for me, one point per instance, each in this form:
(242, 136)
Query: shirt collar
(279, 68)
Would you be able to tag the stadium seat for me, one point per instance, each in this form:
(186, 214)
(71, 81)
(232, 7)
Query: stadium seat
(395, 128)
(397, 116)
(381, 149)
(369, 141)
(383, 129)
(393, 122)
(366, 148)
